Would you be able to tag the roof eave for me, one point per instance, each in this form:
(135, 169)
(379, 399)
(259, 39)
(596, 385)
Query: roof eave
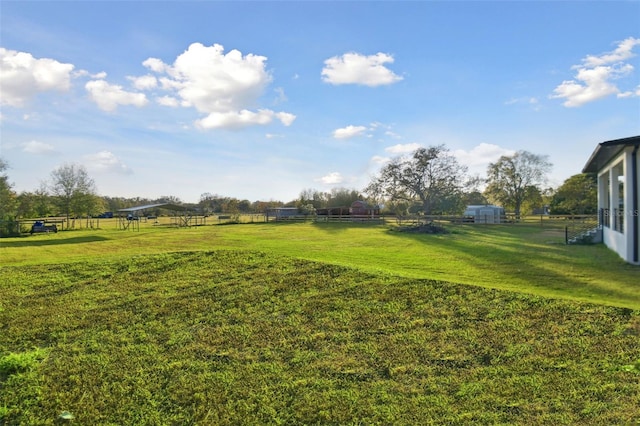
(606, 151)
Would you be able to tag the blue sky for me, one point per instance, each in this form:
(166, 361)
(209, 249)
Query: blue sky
(260, 100)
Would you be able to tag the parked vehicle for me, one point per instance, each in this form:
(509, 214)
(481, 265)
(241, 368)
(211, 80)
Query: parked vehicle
(40, 226)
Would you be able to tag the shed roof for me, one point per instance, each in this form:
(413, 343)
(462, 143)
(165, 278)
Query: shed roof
(606, 151)
(168, 206)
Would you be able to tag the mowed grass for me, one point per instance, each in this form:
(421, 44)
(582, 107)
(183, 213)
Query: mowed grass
(524, 258)
(322, 323)
(246, 337)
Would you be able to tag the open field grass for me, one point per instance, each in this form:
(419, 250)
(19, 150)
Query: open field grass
(316, 324)
(531, 259)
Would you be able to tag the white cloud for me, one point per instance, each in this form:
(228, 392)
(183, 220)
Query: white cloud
(630, 93)
(354, 68)
(595, 77)
(169, 101)
(222, 86)
(403, 148)
(109, 96)
(379, 160)
(531, 101)
(479, 157)
(392, 135)
(22, 76)
(622, 52)
(280, 95)
(244, 118)
(349, 132)
(156, 65)
(106, 162)
(145, 82)
(331, 179)
(35, 147)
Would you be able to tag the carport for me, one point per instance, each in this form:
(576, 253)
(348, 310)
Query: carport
(129, 218)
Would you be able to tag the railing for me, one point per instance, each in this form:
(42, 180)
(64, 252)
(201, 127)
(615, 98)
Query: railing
(586, 230)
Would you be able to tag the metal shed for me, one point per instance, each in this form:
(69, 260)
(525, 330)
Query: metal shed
(484, 214)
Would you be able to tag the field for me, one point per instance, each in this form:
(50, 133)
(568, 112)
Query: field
(308, 323)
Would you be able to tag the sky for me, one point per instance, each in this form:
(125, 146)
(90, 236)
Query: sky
(262, 100)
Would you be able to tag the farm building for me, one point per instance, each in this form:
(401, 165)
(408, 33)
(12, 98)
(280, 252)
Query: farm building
(484, 214)
(358, 210)
(361, 208)
(616, 163)
(284, 213)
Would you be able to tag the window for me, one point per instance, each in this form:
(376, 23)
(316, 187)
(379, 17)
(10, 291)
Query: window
(618, 197)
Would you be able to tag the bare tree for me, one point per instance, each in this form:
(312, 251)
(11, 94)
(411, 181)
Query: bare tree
(73, 189)
(430, 176)
(511, 179)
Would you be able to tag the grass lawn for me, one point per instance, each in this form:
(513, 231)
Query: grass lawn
(316, 324)
(531, 259)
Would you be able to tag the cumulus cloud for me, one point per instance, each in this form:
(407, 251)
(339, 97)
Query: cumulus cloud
(622, 52)
(109, 96)
(354, 68)
(332, 178)
(35, 147)
(477, 159)
(106, 162)
(145, 82)
(402, 148)
(223, 86)
(22, 77)
(169, 101)
(244, 118)
(349, 132)
(595, 77)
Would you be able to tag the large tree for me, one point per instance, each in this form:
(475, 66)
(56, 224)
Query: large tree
(513, 179)
(74, 190)
(577, 195)
(7, 195)
(7, 202)
(431, 177)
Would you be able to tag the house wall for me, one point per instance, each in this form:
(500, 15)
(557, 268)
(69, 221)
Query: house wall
(620, 231)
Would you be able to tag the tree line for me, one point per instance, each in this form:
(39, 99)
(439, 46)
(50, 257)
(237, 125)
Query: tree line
(428, 181)
(431, 181)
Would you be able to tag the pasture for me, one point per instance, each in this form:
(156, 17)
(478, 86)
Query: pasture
(305, 323)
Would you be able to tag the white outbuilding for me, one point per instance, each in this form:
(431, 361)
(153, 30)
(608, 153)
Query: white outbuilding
(484, 214)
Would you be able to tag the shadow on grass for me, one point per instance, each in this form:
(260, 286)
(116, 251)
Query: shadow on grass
(515, 256)
(45, 240)
(335, 227)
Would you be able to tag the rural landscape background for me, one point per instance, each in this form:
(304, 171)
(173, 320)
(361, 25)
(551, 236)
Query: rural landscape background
(315, 323)
(205, 312)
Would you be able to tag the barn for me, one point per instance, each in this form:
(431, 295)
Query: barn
(361, 208)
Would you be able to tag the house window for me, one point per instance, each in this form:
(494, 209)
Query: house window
(605, 211)
(618, 199)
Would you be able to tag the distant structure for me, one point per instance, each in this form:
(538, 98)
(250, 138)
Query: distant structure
(358, 210)
(484, 214)
(130, 218)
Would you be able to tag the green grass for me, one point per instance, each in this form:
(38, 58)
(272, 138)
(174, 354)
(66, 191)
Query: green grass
(315, 324)
(530, 259)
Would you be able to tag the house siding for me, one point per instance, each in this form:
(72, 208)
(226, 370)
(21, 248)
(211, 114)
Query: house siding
(621, 231)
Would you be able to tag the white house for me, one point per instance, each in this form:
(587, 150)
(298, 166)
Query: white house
(617, 165)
